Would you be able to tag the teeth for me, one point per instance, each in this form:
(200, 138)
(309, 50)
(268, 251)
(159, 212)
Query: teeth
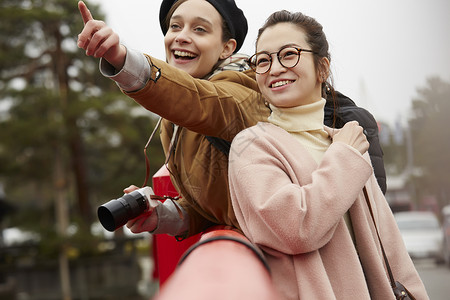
(183, 53)
(281, 83)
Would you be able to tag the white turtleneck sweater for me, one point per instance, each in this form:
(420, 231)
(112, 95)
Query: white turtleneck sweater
(305, 123)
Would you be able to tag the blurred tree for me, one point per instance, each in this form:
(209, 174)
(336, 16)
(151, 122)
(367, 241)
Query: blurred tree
(66, 133)
(69, 139)
(431, 139)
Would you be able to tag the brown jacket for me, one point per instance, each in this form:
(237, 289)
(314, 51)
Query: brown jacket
(220, 107)
(293, 209)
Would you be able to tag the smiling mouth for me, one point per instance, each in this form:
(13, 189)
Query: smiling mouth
(184, 55)
(281, 83)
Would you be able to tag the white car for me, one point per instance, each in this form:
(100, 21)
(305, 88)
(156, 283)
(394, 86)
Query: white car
(422, 234)
(446, 227)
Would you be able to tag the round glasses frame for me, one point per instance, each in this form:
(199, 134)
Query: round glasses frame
(287, 56)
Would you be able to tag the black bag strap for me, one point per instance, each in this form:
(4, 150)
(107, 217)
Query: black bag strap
(400, 291)
(221, 144)
(391, 277)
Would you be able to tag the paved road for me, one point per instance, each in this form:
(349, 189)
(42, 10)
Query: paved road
(436, 278)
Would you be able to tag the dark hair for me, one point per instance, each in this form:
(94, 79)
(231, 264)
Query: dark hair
(226, 33)
(315, 37)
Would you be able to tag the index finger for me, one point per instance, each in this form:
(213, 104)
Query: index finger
(85, 13)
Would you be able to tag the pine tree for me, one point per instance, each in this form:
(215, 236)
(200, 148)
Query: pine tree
(66, 132)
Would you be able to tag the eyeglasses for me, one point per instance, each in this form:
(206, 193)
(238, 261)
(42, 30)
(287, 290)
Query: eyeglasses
(288, 57)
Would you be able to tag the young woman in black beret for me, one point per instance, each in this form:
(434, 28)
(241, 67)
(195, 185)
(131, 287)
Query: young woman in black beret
(201, 91)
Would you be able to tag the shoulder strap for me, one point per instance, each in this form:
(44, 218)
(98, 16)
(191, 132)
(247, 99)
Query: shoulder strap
(391, 277)
(221, 144)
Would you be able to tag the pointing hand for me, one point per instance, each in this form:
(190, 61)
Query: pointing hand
(99, 40)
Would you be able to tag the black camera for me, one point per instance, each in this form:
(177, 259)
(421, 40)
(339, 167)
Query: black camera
(118, 212)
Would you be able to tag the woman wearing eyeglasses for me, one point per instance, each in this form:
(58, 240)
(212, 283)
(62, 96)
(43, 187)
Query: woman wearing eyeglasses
(297, 185)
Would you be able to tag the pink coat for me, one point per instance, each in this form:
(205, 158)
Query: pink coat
(293, 210)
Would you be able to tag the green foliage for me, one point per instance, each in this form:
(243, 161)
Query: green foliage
(54, 101)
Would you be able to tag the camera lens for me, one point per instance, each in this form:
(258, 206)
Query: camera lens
(118, 212)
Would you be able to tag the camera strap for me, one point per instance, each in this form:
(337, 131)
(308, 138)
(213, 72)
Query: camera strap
(147, 162)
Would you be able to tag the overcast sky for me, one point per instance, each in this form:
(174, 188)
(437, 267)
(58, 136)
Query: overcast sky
(381, 51)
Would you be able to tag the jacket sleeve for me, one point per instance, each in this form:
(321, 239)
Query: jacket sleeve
(172, 219)
(281, 209)
(217, 107)
(134, 74)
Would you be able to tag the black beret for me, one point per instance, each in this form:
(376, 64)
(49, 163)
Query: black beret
(233, 16)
